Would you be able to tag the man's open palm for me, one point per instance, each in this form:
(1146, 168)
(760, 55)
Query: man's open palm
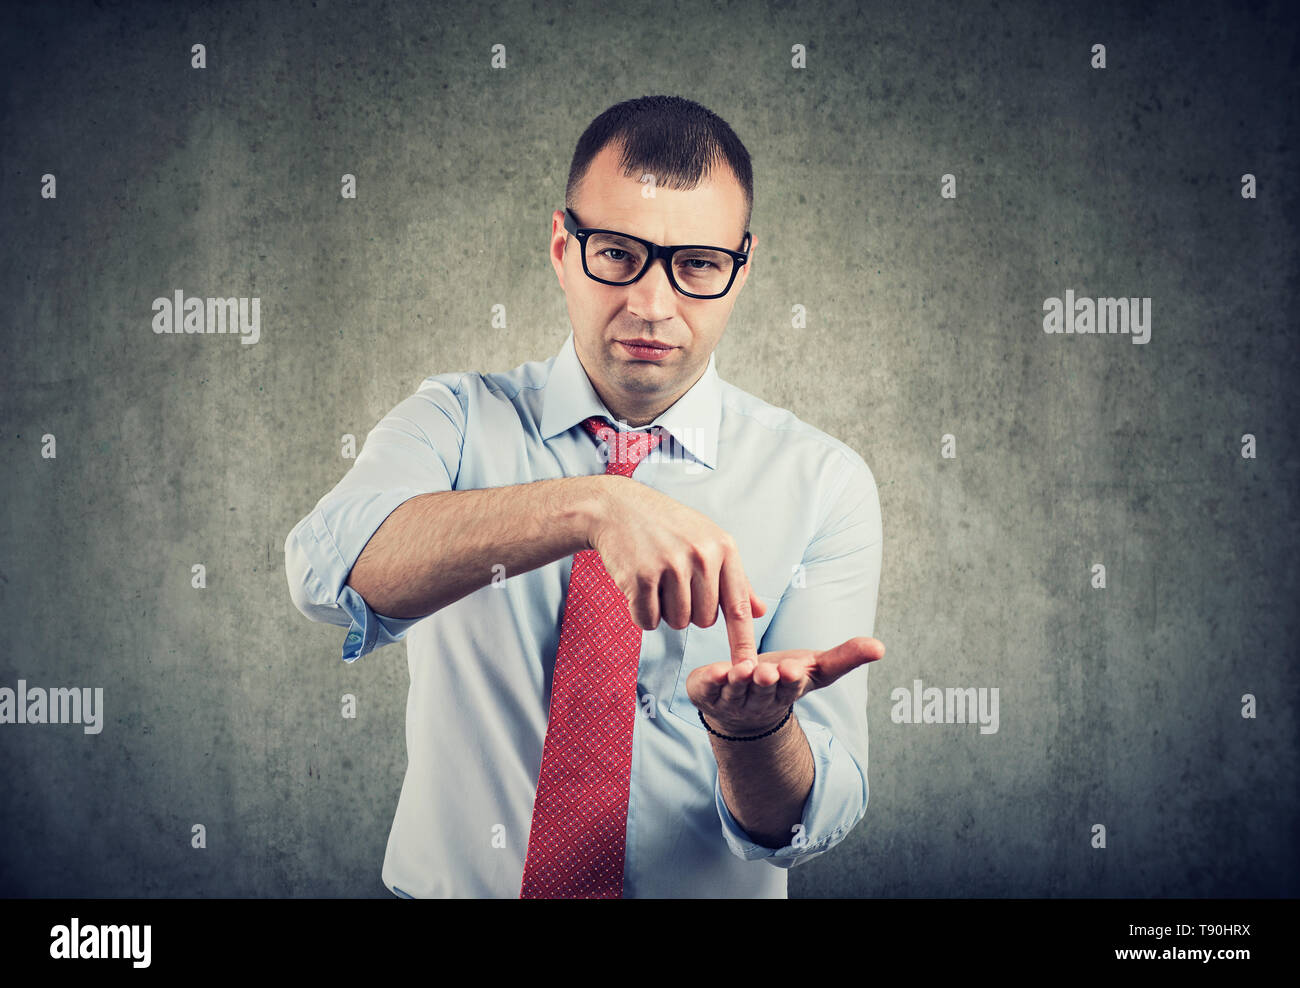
(747, 695)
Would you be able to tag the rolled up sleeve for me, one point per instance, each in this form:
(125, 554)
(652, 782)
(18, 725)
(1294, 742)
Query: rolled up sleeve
(414, 450)
(831, 599)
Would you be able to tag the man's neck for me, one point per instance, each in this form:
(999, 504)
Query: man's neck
(637, 419)
(637, 414)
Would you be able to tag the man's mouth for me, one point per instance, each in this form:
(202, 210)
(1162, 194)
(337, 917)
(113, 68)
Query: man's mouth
(646, 349)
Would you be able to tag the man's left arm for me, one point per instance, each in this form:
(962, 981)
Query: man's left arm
(796, 793)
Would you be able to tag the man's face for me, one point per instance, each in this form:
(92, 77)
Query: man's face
(633, 387)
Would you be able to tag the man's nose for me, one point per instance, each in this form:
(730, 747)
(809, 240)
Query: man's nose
(652, 297)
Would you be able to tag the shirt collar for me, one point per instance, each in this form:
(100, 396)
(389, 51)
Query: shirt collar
(568, 398)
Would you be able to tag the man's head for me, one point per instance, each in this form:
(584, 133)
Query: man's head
(702, 189)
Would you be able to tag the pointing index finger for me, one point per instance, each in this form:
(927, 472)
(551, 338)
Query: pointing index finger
(734, 594)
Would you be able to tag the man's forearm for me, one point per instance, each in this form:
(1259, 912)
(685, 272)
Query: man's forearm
(436, 548)
(766, 782)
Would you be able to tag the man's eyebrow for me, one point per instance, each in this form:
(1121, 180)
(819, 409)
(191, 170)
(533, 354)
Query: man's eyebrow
(716, 242)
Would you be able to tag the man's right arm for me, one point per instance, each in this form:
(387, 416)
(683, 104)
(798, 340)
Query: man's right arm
(413, 452)
(436, 548)
(396, 541)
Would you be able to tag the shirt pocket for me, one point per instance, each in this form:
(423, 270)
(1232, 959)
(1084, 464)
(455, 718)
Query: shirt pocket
(704, 646)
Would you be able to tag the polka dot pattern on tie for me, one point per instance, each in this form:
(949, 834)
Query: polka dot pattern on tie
(579, 830)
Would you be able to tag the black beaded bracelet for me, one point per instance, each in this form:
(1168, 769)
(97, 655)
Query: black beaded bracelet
(728, 737)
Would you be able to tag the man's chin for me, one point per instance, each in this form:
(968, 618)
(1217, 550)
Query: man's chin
(647, 381)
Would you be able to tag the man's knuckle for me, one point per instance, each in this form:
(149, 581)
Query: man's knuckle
(704, 555)
(678, 573)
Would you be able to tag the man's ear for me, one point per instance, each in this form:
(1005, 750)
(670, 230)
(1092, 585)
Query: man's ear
(744, 274)
(559, 244)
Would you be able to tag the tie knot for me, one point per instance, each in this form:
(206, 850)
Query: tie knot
(622, 451)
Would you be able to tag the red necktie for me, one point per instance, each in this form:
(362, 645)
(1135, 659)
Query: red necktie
(579, 830)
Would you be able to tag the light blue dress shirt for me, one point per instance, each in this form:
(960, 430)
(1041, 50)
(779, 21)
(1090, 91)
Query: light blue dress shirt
(803, 509)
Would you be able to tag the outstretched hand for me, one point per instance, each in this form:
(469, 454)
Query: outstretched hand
(747, 695)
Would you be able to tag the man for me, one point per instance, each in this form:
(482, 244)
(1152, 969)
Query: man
(580, 723)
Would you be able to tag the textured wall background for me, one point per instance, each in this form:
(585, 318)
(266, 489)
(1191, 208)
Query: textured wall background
(1119, 706)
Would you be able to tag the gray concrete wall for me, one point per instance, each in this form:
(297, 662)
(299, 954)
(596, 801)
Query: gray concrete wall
(1120, 707)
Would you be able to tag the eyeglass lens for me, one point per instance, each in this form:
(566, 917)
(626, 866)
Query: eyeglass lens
(698, 270)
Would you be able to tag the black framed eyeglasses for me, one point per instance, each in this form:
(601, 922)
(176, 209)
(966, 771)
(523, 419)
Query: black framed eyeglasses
(695, 270)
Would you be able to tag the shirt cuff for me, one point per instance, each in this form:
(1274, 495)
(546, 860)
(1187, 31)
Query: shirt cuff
(369, 630)
(837, 801)
(317, 567)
